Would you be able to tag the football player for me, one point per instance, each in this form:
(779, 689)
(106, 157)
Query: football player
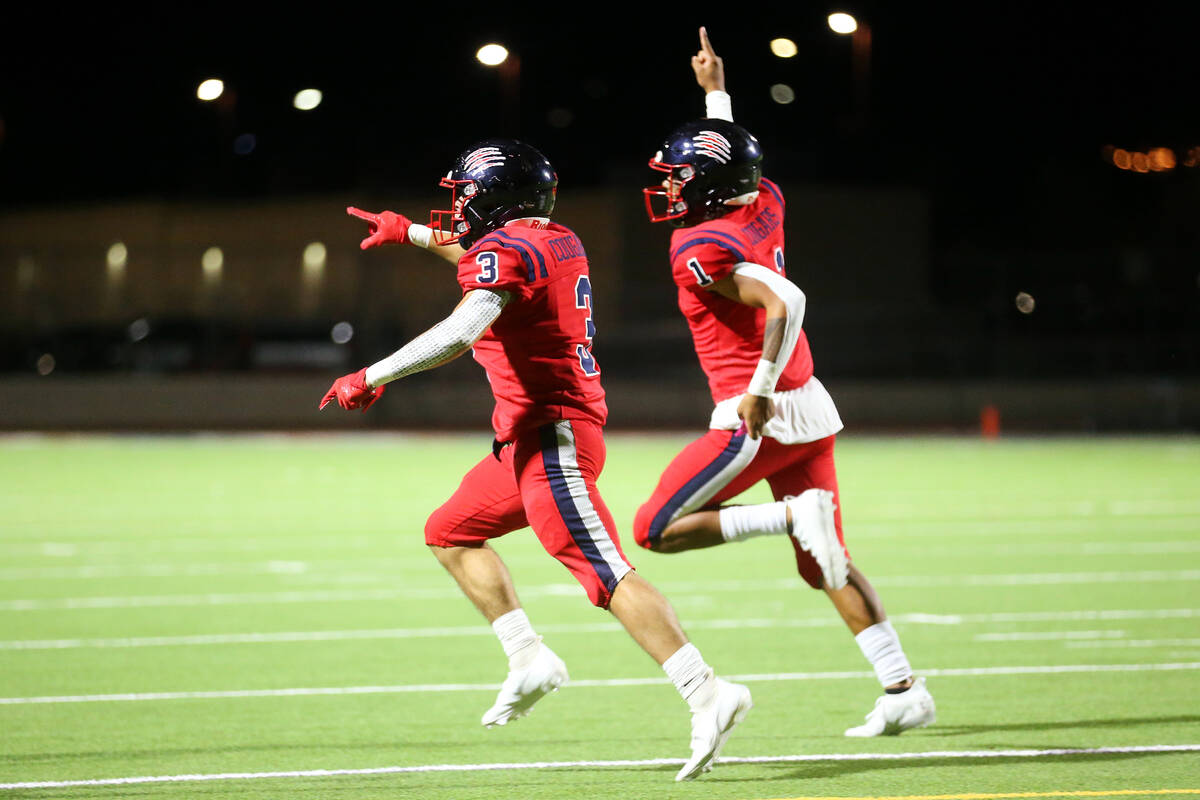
(773, 420)
(526, 312)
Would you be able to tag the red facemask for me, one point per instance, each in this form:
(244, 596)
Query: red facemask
(670, 190)
(449, 225)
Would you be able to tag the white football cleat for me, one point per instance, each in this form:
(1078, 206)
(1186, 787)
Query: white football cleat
(814, 530)
(895, 713)
(522, 688)
(712, 725)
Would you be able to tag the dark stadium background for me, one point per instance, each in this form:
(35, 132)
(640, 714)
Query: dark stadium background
(976, 155)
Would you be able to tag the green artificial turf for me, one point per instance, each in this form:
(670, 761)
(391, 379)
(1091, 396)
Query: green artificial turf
(1049, 589)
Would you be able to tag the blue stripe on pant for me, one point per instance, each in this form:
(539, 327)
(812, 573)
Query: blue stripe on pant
(566, 503)
(687, 494)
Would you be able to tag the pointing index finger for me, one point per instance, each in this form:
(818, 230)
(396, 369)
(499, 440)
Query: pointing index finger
(705, 45)
(358, 212)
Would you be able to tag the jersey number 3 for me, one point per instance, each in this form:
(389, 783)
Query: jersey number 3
(583, 299)
(486, 261)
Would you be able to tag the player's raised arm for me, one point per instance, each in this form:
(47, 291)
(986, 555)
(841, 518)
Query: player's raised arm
(710, 74)
(388, 227)
(757, 286)
(709, 69)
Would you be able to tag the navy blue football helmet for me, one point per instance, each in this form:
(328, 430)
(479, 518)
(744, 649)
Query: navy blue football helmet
(707, 162)
(491, 183)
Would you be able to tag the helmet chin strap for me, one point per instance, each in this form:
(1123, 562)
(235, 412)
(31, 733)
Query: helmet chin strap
(743, 199)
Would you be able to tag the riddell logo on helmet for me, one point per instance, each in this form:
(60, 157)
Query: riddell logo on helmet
(713, 145)
(483, 158)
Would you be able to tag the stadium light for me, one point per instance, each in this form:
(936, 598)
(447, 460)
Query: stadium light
(26, 272)
(784, 48)
(244, 144)
(138, 329)
(116, 259)
(212, 262)
(492, 55)
(210, 89)
(307, 99)
(842, 23)
(1162, 159)
(782, 93)
(314, 262)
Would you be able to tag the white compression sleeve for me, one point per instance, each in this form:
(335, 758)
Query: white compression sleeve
(718, 105)
(767, 374)
(443, 341)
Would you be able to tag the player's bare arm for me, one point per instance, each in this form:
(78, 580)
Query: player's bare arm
(388, 227)
(759, 287)
(709, 69)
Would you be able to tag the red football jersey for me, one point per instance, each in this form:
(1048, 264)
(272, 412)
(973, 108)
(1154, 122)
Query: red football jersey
(728, 335)
(537, 354)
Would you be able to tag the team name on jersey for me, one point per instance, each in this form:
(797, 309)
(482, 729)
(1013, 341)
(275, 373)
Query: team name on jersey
(566, 247)
(761, 226)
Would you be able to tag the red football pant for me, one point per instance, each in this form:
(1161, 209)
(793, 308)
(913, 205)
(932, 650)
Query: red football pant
(546, 480)
(721, 465)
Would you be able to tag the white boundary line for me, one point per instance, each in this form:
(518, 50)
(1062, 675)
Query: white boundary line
(648, 762)
(596, 682)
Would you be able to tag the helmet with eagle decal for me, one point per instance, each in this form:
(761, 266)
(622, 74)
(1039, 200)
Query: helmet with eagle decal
(708, 163)
(493, 182)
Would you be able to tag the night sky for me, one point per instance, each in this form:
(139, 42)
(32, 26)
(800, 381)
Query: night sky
(999, 117)
(102, 109)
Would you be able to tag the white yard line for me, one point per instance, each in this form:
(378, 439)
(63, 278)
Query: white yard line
(1146, 643)
(1007, 526)
(1058, 669)
(391, 566)
(670, 588)
(622, 764)
(1040, 578)
(222, 536)
(1039, 636)
(824, 621)
(1051, 616)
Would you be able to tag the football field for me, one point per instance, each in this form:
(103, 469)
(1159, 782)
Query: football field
(258, 616)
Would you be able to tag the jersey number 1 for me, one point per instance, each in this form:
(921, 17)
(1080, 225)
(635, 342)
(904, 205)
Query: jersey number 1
(583, 299)
(702, 277)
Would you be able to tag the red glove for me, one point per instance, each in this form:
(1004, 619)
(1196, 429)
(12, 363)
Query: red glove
(386, 227)
(351, 392)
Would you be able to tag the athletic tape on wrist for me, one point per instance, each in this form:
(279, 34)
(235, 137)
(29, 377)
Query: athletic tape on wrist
(766, 375)
(420, 235)
(718, 105)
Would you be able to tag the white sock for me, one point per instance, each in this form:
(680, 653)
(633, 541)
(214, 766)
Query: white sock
(880, 644)
(517, 637)
(695, 680)
(743, 522)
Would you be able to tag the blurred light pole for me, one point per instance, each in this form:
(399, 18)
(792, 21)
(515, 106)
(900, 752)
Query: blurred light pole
(860, 50)
(508, 64)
